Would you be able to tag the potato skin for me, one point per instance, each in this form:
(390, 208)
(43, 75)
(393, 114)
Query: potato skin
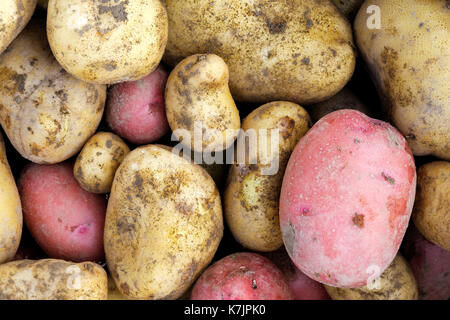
(251, 198)
(163, 224)
(10, 210)
(52, 279)
(346, 198)
(98, 161)
(396, 283)
(46, 113)
(412, 86)
(107, 41)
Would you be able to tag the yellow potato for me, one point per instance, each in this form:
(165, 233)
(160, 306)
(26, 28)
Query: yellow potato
(46, 113)
(163, 224)
(107, 41)
(52, 279)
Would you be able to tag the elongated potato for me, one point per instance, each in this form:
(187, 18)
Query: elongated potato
(163, 224)
(10, 210)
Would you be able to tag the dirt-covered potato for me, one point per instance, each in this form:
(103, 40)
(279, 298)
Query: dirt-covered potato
(107, 41)
(52, 279)
(296, 50)
(46, 113)
(431, 213)
(253, 188)
(98, 161)
(397, 282)
(10, 210)
(199, 102)
(408, 58)
(14, 16)
(163, 224)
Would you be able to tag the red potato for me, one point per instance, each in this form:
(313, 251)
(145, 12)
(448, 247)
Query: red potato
(346, 199)
(136, 110)
(65, 220)
(242, 276)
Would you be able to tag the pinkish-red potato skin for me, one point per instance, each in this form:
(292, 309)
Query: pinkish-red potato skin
(65, 220)
(346, 198)
(242, 276)
(136, 110)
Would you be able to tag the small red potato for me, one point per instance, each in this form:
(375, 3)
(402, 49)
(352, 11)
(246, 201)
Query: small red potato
(65, 220)
(242, 276)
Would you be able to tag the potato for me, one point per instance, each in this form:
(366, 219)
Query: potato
(14, 16)
(136, 110)
(163, 224)
(65, 220)
(10, 210)
(252, 194)
(396, 283)
(346, 198)
(52, 279)
(107, 41)
(113, 292)
(409, 62)
(297, 50)
(98, 161)
(47, 114)
(348, 7)
(242, 276)
(199, 102)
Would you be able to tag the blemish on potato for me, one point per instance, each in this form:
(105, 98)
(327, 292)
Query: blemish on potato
(358, 220)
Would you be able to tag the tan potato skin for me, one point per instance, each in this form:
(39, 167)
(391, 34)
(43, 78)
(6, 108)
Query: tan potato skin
(11, 220)
(98, 161)
(294, 50)
(197, 91)
(251, 198)
(46, 113)
(410, 65)
(52, 279)
(431, 213)
(107, 41)
(14, 16)
(397, 282)
(163, 224)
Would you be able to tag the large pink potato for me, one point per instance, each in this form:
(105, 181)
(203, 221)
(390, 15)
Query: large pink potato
(346, 199)
(242, 276)
(65, 220)
(136, 110)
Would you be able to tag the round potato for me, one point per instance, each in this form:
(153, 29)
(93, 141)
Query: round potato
(107, 41)
(52, 279)
(163, 224)
(46, 113)
(252, 194)
(98, 161)
(396, 283)
(431, 213)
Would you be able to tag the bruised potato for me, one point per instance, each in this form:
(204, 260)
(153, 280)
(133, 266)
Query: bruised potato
(98, 161)
(107, 41)
(52, 279)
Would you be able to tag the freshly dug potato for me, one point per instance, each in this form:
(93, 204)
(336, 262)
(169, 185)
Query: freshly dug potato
(431, 213)
(199, 102)
(98, 161)
(52, 279)
(10, 210)
(14, 16)
(46, 113)
(295, 50)
(65, 220)
(396, 283)
(346, 198)
(163, 224)
(242, 276)
(107, 41)
(252, 195)
(410, 65)
(348, 7)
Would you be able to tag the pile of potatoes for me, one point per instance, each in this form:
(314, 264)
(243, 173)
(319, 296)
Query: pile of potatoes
(123, 124)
